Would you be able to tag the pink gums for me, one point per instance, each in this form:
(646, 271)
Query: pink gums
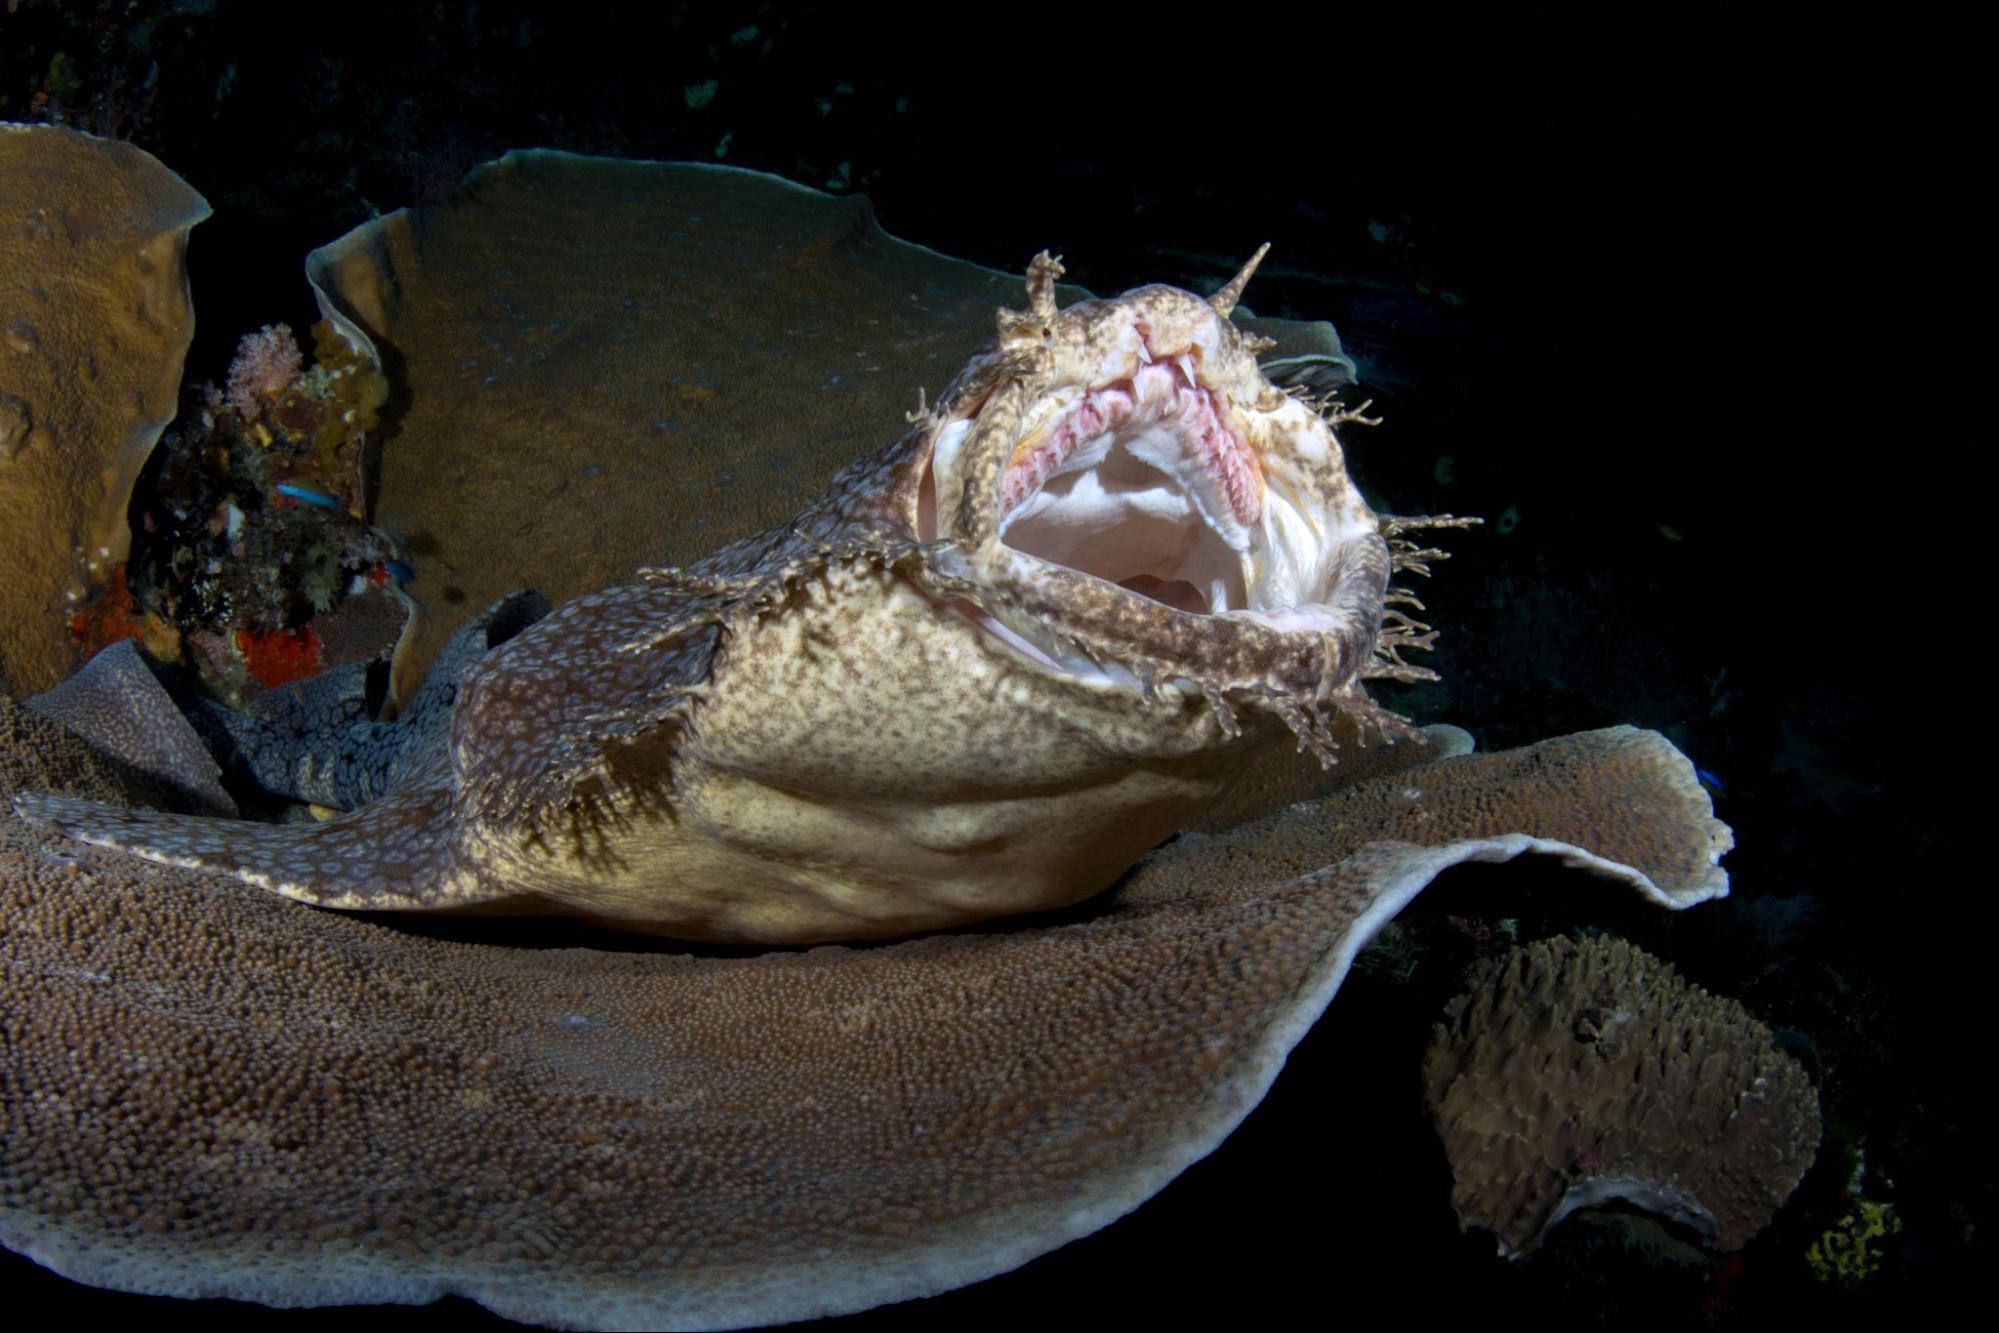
(1227, 458)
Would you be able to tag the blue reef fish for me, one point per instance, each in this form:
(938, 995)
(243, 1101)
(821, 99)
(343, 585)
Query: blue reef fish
(307, 495)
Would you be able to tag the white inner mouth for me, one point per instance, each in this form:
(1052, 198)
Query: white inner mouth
(1147, 484)
(1127, 520)
(1142, 483)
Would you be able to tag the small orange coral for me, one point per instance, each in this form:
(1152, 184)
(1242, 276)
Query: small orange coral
(112, 616)
(106, 619)
(279, 657)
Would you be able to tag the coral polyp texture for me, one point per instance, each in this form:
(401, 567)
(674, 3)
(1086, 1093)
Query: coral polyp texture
(1577, 1073)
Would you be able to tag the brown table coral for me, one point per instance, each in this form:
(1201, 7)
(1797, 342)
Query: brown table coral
(94, 325)
(223, 1093)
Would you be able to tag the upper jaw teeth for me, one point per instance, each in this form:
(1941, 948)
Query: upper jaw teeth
(1167, 419)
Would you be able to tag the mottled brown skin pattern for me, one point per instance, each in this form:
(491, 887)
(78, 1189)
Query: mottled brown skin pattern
(812, 734)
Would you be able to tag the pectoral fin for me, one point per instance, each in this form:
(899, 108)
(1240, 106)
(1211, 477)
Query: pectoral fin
(400, 853)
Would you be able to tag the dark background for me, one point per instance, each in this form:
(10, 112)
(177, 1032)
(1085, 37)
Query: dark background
(1659, 291)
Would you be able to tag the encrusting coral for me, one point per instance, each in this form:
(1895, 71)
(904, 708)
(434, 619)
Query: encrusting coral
(252, 564)
(1579, 1072)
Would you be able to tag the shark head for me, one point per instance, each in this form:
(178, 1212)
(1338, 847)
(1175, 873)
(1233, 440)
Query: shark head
(1005, 657)
(1116, 491)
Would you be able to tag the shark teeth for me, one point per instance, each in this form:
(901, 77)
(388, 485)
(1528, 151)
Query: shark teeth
(1206, 455)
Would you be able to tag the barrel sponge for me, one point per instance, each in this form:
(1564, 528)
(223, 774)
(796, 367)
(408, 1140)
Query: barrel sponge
(1577, 1072)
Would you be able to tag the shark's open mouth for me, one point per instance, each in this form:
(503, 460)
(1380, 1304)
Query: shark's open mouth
(1149, 482)
(1144, 483)
(1116, 491)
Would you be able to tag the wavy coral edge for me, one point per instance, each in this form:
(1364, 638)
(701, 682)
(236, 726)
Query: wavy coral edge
(996, 1242)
